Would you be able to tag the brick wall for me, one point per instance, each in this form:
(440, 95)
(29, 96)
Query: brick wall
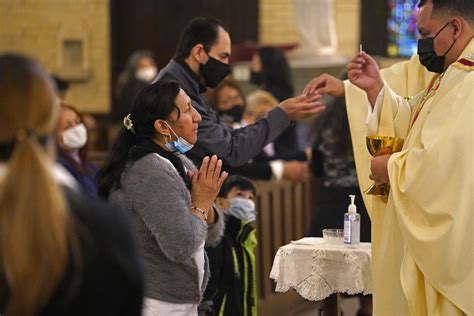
(70, 38)
(57, 32)
(276, 22)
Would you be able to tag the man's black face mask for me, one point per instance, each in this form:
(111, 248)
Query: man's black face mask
(214, 72)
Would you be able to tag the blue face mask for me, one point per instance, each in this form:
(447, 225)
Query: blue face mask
(180, 145)
(243, 209)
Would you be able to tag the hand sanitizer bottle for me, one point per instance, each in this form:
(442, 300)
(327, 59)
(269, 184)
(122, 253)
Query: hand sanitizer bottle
(351, 225)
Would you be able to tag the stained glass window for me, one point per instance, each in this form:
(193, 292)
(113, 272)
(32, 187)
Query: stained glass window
(401, 26)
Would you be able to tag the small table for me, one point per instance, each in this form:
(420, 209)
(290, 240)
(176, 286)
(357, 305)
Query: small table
(316, 269)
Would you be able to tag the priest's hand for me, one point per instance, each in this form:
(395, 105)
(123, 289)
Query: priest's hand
(379, 166)
(325, 84)
(364, 73)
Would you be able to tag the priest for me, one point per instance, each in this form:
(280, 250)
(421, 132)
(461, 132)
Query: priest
(422, 234)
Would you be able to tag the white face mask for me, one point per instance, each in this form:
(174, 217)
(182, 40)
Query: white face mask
(243, 209)
(75, 137)
(146, 74)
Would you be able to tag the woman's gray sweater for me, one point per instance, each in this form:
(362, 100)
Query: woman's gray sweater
(167, 232)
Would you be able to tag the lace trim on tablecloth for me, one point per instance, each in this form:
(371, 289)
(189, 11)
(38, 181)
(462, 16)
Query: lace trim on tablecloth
(320, 283)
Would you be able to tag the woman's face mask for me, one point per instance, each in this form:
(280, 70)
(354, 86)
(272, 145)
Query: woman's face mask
(179, 145)
(256, 78)
(75, 137)
(234, 114)
(146, 74)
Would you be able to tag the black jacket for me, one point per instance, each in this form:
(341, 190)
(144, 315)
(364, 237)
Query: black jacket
(234, 146)
(111, 279)
(232, 286)
(259, 168)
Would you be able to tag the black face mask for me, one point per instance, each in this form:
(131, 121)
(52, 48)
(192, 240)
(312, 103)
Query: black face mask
(256, 77)
(427, 53)
(214, 72)
(232, 115)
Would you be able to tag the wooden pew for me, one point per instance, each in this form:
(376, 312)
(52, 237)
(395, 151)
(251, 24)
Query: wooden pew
(284, 214)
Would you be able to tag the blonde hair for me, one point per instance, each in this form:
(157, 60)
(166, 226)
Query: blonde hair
(260, 98)
(36, 231)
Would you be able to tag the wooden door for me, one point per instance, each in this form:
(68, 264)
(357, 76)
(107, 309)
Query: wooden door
(155, 25)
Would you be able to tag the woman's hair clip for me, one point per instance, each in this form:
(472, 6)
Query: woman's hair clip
(127, 122)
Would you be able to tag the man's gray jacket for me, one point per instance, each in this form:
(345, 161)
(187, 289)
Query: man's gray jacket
(234, 146)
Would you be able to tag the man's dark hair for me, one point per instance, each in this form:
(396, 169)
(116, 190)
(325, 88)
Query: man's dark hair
(200, 30)
(236, 181)
(464, 8)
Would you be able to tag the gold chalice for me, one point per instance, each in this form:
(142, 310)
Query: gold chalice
(375, 144)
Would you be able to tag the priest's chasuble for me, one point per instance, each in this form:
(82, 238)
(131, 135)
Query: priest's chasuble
(407, 79)
(424, 239)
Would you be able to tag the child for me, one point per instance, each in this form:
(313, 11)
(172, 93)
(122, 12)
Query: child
(232, 287)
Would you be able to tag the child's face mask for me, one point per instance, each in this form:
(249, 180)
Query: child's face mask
(243, 209)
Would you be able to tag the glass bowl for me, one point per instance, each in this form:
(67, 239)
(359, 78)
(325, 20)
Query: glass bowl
(333, 236)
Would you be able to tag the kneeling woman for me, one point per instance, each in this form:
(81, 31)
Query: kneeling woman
(170, 201)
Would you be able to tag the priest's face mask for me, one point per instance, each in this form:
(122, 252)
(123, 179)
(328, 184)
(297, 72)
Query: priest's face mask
(436, 40)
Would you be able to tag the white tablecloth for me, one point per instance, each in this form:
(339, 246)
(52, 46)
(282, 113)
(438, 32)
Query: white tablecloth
(316, 269)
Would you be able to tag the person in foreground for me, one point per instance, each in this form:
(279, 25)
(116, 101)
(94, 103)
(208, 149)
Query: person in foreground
(171, 202)
(61, 253)
(422, 254)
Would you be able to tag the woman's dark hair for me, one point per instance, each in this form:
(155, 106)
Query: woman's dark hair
(128, 72)
(200, 30)
(335, 119)
(276, 72)
(154, 102)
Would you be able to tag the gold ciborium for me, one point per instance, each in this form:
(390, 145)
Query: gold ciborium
(375, 144)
